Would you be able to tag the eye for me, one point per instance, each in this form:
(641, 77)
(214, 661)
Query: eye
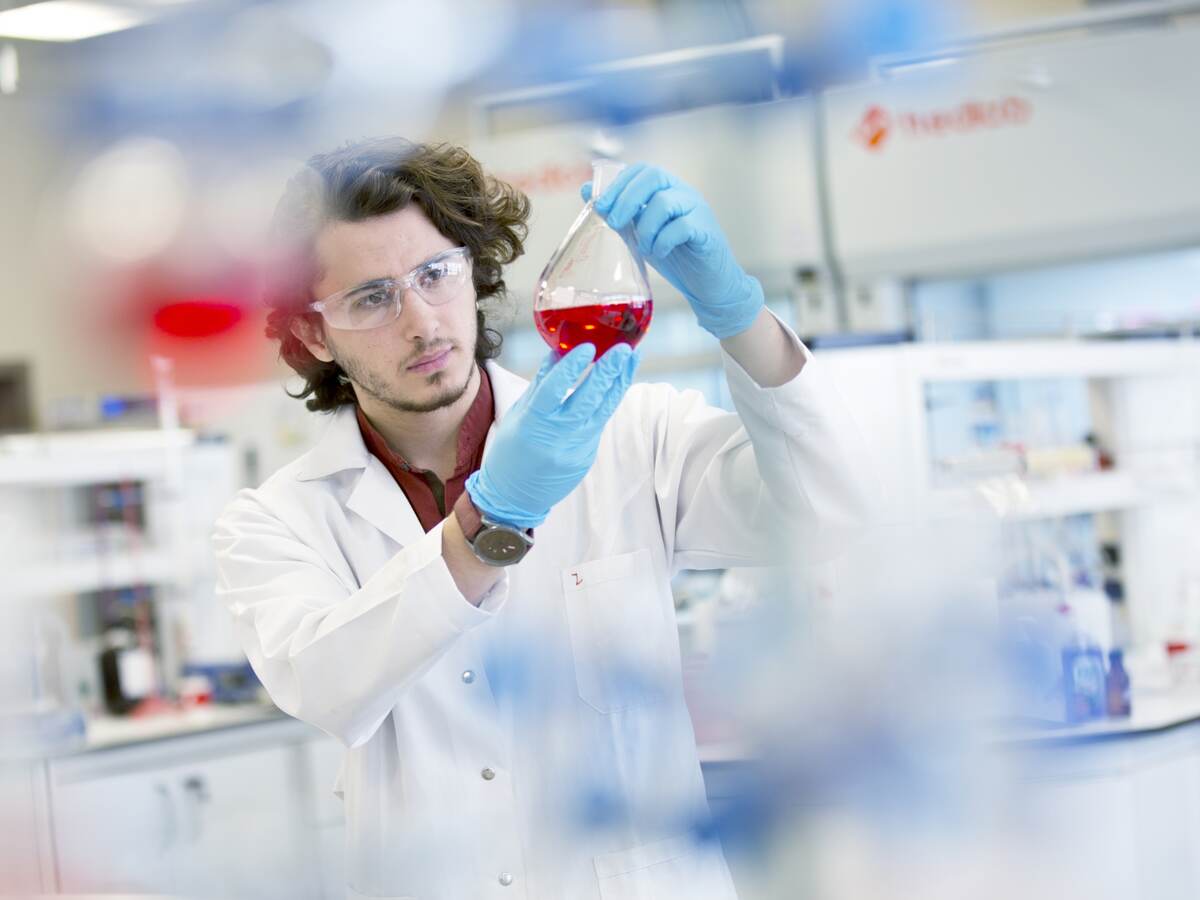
(434, 274)
(372, 299)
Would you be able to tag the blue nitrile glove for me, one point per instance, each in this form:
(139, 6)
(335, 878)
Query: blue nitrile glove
(678, 234)
(544, 445)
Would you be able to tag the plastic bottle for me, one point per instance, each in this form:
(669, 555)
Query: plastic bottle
(1117, 688)
(1083, 679)
(594, 288)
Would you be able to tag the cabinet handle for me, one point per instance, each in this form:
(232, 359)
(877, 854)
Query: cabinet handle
(170, 820)
(195, 788)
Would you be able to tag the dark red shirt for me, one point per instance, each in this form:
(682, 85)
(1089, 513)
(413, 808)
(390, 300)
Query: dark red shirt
(429, 498)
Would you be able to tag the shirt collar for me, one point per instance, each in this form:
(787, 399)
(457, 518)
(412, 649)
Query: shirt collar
(471, 433)
(341, 446)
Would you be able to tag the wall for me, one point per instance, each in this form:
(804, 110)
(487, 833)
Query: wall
(28, 334)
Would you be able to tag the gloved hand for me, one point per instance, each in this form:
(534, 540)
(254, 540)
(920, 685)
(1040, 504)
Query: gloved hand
(544, 446)
(677, 233)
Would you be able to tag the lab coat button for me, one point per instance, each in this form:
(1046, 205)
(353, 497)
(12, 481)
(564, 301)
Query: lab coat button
(488, 774)
(468, 676)
(506, 878)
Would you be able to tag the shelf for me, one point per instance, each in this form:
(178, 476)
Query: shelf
(1000, 360)
(88, 457)
(93, 573)
(1019, 499)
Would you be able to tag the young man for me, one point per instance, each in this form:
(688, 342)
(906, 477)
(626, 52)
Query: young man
(467, 581)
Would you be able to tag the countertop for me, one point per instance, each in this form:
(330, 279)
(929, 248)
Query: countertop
(110, 731)
(105, 732)
(1152, 712)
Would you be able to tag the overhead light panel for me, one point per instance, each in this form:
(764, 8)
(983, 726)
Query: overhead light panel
(67, 20)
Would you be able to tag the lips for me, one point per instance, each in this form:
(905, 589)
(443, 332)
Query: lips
(431, 361)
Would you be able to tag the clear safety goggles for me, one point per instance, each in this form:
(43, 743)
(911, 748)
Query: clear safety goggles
(437, 280)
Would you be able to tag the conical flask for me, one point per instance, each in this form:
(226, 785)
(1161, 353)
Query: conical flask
(594, 289)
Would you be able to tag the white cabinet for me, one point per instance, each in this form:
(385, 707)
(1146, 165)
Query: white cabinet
(116, 834)
(323, 758)
(25, 851)
(1118, 817)
(196, 817)
(1089, 823)
(1166, 796)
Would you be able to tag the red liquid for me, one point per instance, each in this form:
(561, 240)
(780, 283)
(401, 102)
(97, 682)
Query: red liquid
(600, 324)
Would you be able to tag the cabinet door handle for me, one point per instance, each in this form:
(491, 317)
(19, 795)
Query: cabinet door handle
(195, 788)
(170, 820)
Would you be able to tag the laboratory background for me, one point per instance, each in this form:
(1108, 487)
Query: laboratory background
(983, 217)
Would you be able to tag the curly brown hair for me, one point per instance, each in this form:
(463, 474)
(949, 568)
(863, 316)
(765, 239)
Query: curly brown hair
(373, 178)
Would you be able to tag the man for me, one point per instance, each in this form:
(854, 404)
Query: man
(467, 580)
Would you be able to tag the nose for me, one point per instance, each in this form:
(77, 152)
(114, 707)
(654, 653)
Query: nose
(418, 319)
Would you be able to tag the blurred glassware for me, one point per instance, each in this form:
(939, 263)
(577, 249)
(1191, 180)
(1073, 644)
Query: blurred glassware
(594, 289)
(37, 716)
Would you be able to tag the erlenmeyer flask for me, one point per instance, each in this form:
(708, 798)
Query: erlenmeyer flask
(594, 288)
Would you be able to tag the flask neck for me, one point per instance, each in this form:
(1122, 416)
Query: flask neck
(604, 173)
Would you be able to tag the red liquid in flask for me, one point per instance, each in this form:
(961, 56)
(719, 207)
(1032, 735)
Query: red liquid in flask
(601, 324)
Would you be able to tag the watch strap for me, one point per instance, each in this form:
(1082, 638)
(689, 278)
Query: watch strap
(470, 519)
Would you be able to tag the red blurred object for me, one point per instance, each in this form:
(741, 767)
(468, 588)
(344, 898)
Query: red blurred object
(197, 318)
(150, 707)
(603, 325)
(203, 316)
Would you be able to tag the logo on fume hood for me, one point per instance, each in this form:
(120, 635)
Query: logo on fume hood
(874, 127)
(879, 126)
(550, 178)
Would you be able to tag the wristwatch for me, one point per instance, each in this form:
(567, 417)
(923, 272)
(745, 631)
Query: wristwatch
(493, 543)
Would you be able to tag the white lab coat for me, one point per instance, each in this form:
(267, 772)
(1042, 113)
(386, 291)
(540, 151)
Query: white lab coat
(537, 746)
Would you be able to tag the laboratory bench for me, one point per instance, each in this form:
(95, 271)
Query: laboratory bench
(106, 732)
(230, 800)
(1152, 711)
(219, 801)
(237, 800)
(1118, 799)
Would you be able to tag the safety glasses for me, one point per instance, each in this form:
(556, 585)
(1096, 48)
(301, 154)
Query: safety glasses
(437, 280)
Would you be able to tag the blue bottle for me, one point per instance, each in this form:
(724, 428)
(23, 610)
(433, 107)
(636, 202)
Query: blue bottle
(1119, 703)
(1083, 682)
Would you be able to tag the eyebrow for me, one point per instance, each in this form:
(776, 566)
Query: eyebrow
(373, 283)
(388, 279)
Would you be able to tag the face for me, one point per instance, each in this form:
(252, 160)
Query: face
(419, 362)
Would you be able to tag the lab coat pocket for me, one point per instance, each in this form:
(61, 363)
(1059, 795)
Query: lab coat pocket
(673, 869)
(617, 629)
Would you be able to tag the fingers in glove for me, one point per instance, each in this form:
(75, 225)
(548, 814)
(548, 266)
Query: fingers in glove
(585, 191)
(676, 233)
(547, 364)
(605, 201)
(636, 194)
(618, 388)
(563, 375)
(592, 392)
(663, 208)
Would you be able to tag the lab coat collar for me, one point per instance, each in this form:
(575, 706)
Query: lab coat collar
(375, 494)
(506, 388)
(341, 447)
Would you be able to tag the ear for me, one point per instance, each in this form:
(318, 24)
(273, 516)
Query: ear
(312, 335)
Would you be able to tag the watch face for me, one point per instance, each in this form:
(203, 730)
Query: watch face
(500, 545)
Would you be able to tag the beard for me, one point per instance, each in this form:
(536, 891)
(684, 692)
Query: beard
(373, 384)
